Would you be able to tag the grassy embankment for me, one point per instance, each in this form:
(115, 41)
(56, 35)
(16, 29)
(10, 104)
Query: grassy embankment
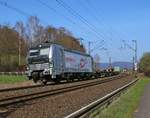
(126, 105)
(7, 79)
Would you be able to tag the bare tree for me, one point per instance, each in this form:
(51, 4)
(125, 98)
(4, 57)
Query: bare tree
(22, 40)
(19, 27)
(33, 26)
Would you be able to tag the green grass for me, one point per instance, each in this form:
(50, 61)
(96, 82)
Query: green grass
(126, 105)
(7, 79)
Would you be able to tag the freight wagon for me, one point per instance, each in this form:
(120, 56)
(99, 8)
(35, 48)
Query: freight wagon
(53, 62)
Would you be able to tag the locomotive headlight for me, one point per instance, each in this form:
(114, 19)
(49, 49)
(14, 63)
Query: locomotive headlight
(46, 71)
(27, 68)
(51, 64)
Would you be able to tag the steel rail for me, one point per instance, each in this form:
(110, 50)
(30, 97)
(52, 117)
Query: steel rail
(23, 87)
(35, 95)
(83, 112)
(37, 86)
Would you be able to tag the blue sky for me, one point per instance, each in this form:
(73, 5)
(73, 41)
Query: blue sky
(113, 20)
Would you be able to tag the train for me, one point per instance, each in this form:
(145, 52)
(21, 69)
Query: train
(53, 62)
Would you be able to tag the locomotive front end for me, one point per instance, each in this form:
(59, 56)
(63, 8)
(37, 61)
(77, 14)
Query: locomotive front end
(39, 63)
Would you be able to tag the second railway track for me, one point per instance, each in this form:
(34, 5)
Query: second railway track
(42, 86)
(39, 94)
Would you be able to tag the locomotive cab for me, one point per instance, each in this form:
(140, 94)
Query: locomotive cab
(40, 64)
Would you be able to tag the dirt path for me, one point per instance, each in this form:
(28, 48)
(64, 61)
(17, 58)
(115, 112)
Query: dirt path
(143, 110)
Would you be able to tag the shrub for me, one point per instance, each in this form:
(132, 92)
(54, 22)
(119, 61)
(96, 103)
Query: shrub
(147, 71)
(144, 65)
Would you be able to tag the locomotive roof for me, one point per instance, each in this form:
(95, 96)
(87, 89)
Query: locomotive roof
(41, 45)
(44, 45)
(75, 51)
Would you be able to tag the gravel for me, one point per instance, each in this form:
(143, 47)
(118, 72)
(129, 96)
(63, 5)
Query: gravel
(20, 84)
(51, 86)
(63, 104)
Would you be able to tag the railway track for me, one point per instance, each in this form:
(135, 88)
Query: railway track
(39, 94)
(42, 86)
(85, 112)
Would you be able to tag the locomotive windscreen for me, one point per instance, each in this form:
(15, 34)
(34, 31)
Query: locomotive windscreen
(39, 55)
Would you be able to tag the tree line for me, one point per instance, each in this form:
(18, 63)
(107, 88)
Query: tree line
(16, 40)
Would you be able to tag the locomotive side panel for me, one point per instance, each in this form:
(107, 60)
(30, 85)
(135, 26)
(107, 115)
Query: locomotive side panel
(58, 60)
(76, 62)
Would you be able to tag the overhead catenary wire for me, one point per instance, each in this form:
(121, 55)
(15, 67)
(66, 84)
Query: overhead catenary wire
(93, 8)
(87, 7)
(90, 11)
(23, 13)
(5, 4)
(126, 44)
(78, 16)
(27, 14)
(96, 15)
(62, 15)
(92, 14)
(14, 8)
(99, 45)
(54, 10)
(75, 14)
(59, 13)
(114, 31)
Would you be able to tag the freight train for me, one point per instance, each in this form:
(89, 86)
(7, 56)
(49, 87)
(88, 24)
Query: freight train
(52, 62)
